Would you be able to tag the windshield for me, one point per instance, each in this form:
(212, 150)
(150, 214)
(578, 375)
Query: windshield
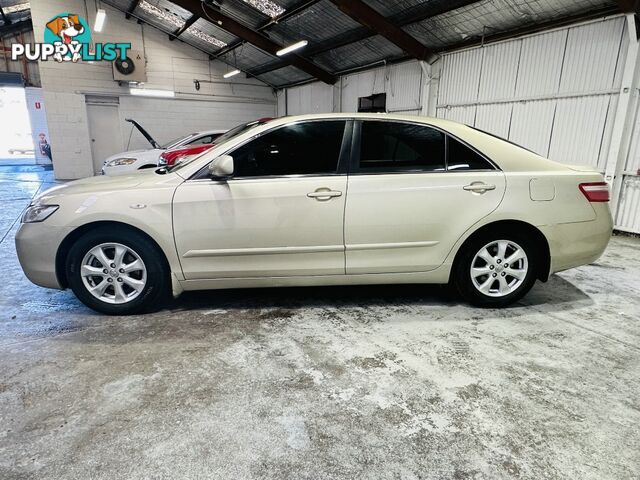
(245, 127)
(176, 141)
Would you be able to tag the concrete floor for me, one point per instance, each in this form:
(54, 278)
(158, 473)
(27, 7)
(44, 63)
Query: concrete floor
(377, 382)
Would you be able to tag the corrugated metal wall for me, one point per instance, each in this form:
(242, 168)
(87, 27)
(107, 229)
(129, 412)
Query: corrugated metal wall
(554, 92)
(402, 83)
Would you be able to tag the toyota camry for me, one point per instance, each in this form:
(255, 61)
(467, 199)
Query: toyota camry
(314, 200)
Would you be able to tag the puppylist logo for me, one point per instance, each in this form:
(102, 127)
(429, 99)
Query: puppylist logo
(67, 37)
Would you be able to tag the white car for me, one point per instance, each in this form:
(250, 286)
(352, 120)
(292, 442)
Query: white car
(127, 162)
(331, 199)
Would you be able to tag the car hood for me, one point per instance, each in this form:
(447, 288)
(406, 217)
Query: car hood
(101, 184)
(136, 154)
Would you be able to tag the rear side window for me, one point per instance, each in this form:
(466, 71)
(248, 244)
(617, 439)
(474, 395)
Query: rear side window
(298, 149)
(392, 147)
(462, 157)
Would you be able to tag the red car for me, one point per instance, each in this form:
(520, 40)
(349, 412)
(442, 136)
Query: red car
(170, 157)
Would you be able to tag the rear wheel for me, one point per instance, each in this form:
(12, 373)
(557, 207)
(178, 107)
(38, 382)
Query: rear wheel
(496, 269)
(117, 271)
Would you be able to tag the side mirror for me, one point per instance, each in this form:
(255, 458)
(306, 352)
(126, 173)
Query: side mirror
(221, 167)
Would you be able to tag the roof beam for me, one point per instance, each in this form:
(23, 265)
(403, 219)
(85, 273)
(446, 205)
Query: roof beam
(192, 19)
(16, 27)
(421, 13)
(370, 18)
(293, 10)
(132, 6)
(196, 7)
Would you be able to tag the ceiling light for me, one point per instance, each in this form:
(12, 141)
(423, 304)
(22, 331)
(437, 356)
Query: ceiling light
(267, 7)
(291, 48)
(101, 15)
(148, 92)
(231, 74)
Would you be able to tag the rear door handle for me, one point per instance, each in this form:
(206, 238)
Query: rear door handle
(323, 194)
(479, 187)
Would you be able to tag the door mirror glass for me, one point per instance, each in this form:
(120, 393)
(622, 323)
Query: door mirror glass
(221, 167)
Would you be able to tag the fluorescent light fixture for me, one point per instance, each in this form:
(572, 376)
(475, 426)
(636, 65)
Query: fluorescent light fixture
(149, 92)
(101, 15)
(231, 74)
(291, 48)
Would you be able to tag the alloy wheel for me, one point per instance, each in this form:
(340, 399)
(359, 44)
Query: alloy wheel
(113, 273)
(499, 268)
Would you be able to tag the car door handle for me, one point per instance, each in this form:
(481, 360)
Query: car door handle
(323, 194)
(478, 187)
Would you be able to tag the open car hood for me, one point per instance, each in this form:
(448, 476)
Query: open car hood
(144, 133)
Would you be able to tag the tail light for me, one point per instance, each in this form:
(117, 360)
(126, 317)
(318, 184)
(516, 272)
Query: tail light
(595, 192)
(163, 160)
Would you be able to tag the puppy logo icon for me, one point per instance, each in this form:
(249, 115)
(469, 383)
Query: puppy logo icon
(67, 32)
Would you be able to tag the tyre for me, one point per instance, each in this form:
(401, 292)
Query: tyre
(496, 269)
(117, 271)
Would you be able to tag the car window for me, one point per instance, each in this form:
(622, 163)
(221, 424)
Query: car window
(205, 139)
(461, 157)
(298, 149)
(393, 146)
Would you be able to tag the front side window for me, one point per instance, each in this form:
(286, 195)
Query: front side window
(392, 146)
(462, 157)
(299, 149)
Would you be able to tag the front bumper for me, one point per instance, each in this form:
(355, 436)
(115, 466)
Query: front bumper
(37, 245)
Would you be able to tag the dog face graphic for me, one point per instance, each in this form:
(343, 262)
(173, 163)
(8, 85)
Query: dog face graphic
(67, 28)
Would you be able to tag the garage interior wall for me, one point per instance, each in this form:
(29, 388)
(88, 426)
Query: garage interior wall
(28, 68)
(554, 92)
(170, 65)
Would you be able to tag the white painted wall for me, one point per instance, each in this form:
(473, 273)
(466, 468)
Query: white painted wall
(170, 66)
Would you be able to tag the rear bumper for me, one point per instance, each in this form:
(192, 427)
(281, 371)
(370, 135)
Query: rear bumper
(575, 244)
(37, 245)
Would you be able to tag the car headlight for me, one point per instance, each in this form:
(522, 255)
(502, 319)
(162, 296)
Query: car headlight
(119, 162)
(38, 213)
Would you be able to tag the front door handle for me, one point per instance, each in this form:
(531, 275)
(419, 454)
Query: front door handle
(324, 194)
(479, 187)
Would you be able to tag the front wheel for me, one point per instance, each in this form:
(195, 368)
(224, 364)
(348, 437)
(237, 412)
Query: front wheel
(117, 272)
(496, 269)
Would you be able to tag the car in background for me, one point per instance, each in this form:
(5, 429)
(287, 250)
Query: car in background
(323, 199)
(183, 154)
(170, 157)
(127, 162)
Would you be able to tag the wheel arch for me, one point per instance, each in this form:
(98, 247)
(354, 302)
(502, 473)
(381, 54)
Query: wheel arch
(74, 235)
(510, 226)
